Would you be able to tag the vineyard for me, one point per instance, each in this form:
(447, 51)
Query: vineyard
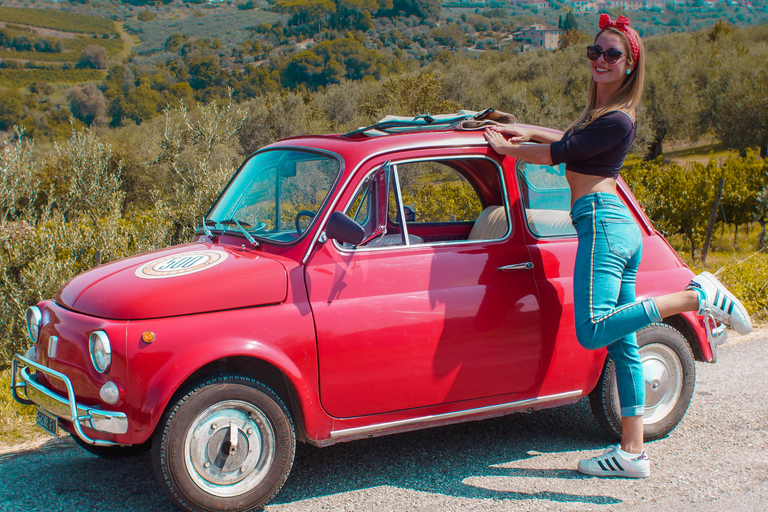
(58, 20)
(53, 58)
(25, 77)
(41, 56)
(679, 200)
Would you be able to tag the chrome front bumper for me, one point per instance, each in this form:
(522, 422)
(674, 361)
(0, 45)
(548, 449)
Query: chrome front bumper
(717, 334)
(67, 407)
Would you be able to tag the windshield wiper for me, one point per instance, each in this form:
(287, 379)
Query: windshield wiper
(248, 236)
(207, 230)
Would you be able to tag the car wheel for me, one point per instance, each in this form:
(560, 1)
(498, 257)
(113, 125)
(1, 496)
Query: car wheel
(670, 376)
(113, 452)
(228, 444)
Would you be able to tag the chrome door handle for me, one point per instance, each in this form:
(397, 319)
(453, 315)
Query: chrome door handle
(517, 266)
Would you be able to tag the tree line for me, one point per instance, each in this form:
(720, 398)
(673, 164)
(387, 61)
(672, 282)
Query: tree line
(114, 192)
(711, 81)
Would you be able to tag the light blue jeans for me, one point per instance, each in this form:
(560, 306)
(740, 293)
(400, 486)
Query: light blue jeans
(606, 310)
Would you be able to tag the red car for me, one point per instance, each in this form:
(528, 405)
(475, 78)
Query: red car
(342, 287)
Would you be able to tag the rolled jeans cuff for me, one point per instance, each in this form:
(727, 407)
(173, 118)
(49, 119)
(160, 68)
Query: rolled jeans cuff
(635, 410)
(652, 311)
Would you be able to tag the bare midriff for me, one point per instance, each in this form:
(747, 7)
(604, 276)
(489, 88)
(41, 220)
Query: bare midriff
(583, 184)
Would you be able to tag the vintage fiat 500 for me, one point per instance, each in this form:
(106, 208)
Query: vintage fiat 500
(343, 286)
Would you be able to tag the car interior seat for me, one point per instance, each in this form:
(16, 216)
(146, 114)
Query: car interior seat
(491, 224)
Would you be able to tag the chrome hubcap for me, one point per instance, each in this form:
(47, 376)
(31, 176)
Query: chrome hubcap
(229, 448)
(663, 374)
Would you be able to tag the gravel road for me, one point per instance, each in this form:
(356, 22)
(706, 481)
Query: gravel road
(714, 461)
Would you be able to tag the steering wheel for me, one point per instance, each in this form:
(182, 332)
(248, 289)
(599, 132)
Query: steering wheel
(302, 213)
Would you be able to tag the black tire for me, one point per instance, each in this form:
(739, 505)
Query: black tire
(113, 452)
(200, 472)
(670, 375)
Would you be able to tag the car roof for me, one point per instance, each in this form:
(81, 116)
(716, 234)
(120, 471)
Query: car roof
(362, 145)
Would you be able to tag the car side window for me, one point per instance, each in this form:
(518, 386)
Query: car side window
(435, 192)
(434, 201)
(546, 198)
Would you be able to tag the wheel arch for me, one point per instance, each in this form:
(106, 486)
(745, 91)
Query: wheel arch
(268, 365)
(694, 333)
(256, 368)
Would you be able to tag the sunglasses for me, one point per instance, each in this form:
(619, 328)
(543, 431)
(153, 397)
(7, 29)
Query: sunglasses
(611, 55)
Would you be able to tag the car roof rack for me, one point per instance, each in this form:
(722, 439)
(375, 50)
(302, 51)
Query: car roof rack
(463, 120)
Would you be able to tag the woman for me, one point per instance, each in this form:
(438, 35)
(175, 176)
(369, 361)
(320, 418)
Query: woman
(606, 311)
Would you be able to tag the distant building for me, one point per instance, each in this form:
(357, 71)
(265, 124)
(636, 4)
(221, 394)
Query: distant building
(539, 4)
(656, 3)
(538, 36)
(628, 5)
(583, 5)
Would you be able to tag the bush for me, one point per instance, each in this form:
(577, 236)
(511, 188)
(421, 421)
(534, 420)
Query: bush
(748, 280)
(58, 213)
(87, 104)
(145, 16)
(93, 57)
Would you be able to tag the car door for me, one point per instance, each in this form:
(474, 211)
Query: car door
(425, 311)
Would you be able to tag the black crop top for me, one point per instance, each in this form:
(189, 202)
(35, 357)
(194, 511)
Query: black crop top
(598, 149)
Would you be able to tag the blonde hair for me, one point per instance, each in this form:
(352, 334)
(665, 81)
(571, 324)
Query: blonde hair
(628, 95)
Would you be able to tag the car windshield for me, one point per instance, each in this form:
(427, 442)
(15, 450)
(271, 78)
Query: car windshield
(275, 195)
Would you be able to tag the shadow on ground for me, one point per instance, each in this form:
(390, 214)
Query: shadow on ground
(439, 461)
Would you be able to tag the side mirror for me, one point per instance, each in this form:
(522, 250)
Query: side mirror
(340, 227)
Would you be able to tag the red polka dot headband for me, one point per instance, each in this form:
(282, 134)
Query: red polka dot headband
(622, 25)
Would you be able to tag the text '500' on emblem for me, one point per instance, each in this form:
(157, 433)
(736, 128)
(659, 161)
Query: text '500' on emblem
(180, 264)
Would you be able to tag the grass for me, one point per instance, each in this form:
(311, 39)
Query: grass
(701, 154)
(17, 422)
(128, 42)
(739, 261)
(113, 45)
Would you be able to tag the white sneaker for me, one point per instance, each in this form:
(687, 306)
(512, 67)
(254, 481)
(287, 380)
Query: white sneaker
(616, 462)
(717, 302)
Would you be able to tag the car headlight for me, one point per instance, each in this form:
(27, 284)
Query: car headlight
(34, 319)
(100, 350)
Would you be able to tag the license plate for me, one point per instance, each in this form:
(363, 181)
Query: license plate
(47, 422)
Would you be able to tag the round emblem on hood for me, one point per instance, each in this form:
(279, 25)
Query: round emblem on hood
(180, 264)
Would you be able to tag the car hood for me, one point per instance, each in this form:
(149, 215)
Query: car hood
(180, 280)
